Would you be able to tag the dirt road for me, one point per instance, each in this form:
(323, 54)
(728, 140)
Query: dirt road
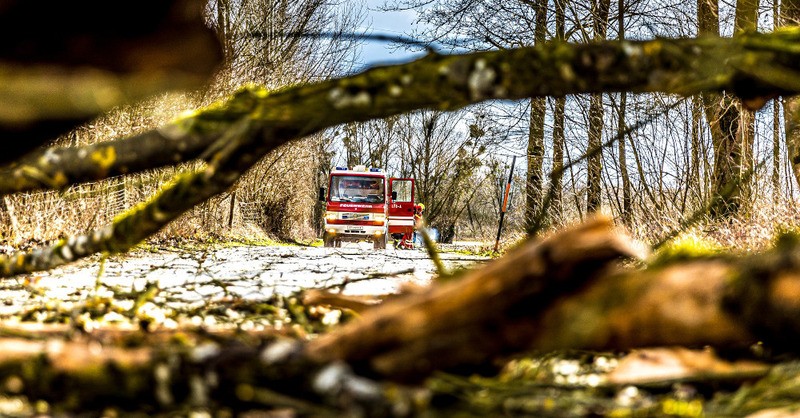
(254, 272)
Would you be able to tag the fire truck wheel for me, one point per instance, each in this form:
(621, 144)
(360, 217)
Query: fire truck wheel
(380, 243)
(328, 240)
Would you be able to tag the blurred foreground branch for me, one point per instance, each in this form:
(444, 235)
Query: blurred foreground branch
(567, 291)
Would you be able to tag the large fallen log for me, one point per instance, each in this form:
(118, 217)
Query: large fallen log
(488, 313)
(680, 304)
(557, 295)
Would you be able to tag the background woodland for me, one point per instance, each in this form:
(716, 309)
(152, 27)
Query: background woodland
(649, 160)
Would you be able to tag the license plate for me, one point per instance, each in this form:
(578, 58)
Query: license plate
(355, 216)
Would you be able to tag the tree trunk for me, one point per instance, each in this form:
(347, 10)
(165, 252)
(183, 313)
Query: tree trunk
(534, 194)
(776, 126)
(595, 161)
(557, 174)
(790, 15)
(558, 159)
(627, 215)
(724, 116)
(699, 185)
(776, 151)
(464, 324)
(746, 20)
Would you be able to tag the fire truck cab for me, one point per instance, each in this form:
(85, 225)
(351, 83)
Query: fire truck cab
(362, 204)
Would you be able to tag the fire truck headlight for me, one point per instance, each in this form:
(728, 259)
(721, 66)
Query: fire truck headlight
(331, 216)
(332, 231)
(379, 217)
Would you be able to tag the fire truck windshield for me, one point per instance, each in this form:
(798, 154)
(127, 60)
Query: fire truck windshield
(357, 189)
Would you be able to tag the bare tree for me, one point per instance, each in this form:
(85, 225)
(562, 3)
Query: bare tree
(626, 210)
(558, 124)
(372, 143)
(230, 137)
(534, 192)
(729, 130)
(600, 10)
(443, 152)
(790, 16)
(272, 43)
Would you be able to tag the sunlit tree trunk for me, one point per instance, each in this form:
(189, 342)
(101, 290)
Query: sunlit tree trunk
(594, 163)
(790, 15)
(746, 20)
(558, 125)
(723, 116)
(776, 151)
(696, 172)
(623, 164)
(535, 158)
(776, 124)
(224, 28)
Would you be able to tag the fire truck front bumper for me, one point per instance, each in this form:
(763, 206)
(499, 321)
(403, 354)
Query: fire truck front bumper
(355, 232)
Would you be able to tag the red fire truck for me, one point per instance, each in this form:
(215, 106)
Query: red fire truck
(362, 204)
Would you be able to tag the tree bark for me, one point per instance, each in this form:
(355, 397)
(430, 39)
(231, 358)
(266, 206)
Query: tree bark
(600, 10)
(534, 193)
(739, 301)
(627, 203)
(790, 16)
(557, 175)
(727, 119)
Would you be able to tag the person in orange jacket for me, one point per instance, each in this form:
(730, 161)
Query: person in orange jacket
(418, 209)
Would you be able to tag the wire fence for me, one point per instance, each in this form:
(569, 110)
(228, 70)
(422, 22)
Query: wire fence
(44, 216)
(251, 212)
(48, 215)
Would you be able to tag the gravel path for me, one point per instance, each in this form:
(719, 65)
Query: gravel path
(240, 271)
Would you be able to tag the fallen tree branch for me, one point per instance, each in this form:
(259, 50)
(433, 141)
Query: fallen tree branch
(472, 320)
(754, 66)
(760, 66)
(226, 165)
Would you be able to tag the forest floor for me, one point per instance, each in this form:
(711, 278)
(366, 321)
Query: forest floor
(208, 288)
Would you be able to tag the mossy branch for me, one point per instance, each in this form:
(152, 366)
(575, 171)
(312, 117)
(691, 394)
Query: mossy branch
(187, 190)
(754, 66)
(236, 133)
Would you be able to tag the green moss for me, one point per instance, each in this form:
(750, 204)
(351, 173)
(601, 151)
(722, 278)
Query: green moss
(787, 237)
(687, 246)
